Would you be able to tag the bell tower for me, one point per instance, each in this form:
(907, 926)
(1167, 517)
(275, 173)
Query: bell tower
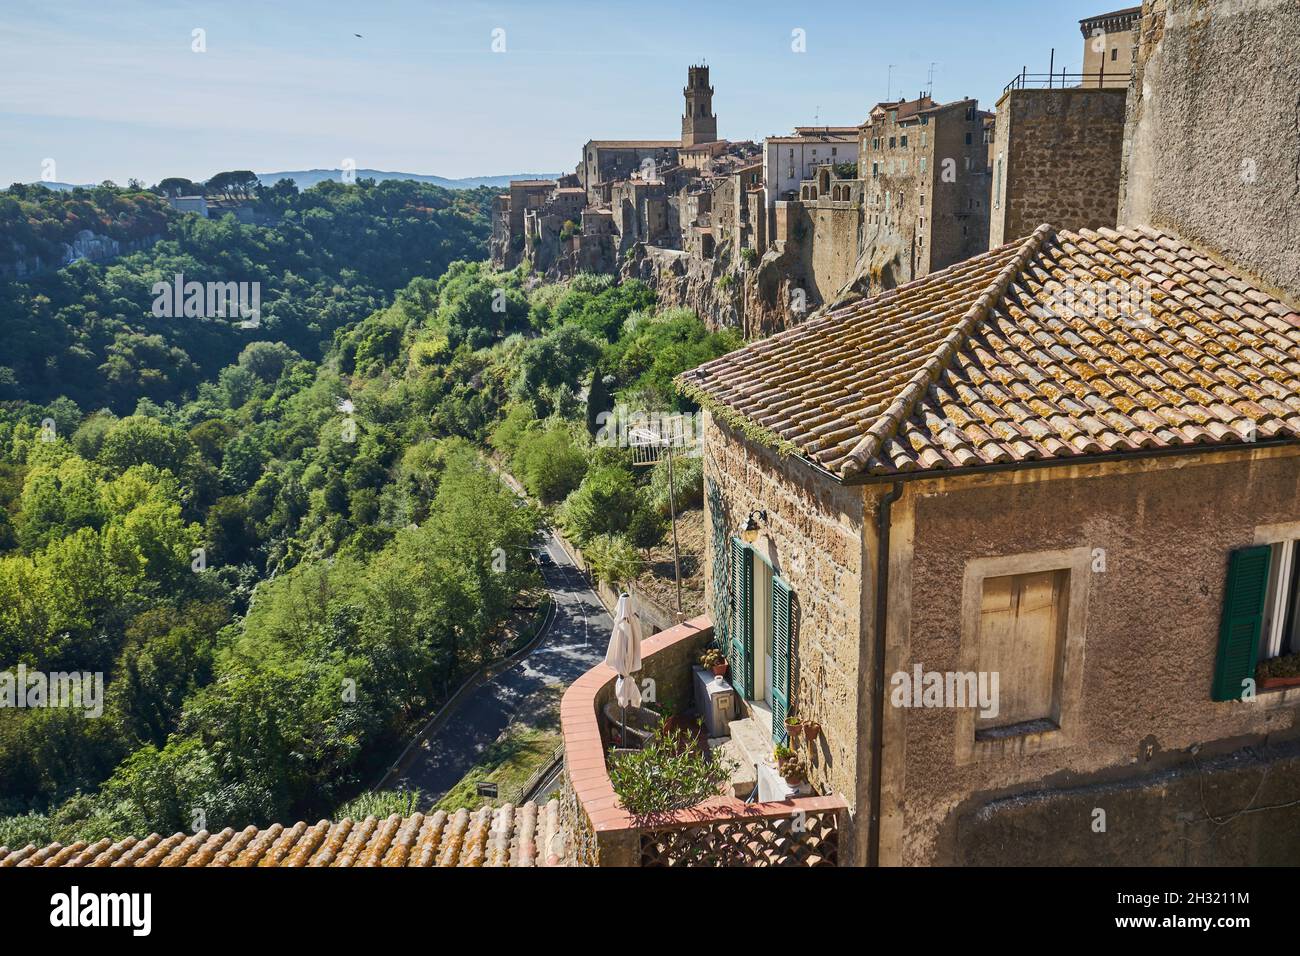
(699, 125)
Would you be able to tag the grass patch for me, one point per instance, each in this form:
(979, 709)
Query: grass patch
(522, 750)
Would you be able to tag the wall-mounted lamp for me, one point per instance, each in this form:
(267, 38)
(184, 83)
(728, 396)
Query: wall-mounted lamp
(749, 533)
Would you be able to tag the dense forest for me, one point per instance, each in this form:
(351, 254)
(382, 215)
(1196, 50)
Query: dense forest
(283, 559)
(324, 258)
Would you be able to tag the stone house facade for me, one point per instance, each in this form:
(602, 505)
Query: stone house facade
(936, 497)
(927, 184)
(1110, 43)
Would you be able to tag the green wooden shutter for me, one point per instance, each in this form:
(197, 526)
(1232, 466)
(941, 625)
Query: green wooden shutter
(781, 637)
(1243, 618)
(740, 654)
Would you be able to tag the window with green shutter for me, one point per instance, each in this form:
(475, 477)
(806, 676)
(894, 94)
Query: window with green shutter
(1243, 615)
(781, 639)
(740, 652)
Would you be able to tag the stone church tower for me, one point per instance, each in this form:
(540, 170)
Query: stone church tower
(699, 125)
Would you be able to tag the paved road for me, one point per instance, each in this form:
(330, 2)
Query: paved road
(577, 638)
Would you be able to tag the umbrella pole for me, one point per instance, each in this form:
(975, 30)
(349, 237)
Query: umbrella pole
(623, 740)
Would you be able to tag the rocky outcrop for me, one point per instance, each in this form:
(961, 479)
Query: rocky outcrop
(757, 299)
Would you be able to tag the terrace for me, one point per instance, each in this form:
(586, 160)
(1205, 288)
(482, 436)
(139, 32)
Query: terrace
(721, 831)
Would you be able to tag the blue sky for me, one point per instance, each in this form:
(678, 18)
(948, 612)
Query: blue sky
(112, 89)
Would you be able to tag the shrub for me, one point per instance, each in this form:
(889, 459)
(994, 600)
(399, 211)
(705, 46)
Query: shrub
(603, 503)
(668, 774)
(1286, 666)
(612, 560)
(688, 484)
(549, 463)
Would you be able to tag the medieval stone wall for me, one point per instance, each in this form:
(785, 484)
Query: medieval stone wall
(1057, 157)
(1215, 131)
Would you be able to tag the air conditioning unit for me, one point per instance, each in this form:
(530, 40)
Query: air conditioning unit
(715, 699)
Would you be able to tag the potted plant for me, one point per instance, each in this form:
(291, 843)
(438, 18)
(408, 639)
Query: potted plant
(1279, 672)
(672, 720)
(792, 726)
(811, 729)
(713, 660)
(793, 769)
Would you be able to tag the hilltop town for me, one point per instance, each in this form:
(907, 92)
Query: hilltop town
(961, 445)
(759, 235)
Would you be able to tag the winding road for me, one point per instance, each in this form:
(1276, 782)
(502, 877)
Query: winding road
(575, 641)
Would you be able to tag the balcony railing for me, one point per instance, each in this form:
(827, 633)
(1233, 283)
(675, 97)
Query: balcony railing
(1064, 81)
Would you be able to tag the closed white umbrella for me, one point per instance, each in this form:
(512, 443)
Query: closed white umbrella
(624, 656)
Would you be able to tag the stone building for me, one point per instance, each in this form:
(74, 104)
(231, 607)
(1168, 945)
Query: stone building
(1056, 158)
(789, 160)
(924, 166)
(605, 161)
(1071, 463)
(1110, 42)
(699, 124)
(509, 211)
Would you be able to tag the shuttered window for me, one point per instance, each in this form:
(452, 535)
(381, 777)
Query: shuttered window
(1243, 616)
(781, 638)
(740, 652)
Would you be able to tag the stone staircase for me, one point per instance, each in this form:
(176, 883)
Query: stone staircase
(750, 744)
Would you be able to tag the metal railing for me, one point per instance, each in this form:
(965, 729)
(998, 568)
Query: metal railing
(1062, 80)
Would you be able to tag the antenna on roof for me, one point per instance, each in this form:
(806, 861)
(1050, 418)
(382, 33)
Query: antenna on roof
(930, 84)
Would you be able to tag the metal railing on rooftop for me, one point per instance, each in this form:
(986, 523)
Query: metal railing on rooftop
(1062, 80)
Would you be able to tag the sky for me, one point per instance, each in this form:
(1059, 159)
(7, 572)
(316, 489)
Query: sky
(115, 89)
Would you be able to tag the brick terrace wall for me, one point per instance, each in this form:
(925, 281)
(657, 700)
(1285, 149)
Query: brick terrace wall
(816, 528)
(600, 830)
(1061, 153)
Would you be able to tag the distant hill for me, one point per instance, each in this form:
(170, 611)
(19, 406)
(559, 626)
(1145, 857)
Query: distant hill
(306, 178)
(62, 187)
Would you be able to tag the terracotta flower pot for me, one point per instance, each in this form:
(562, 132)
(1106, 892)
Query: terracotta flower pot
(810, 731)
(719, 670)
(1276, 683)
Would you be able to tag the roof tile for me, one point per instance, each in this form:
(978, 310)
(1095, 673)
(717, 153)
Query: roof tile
(1060, 345)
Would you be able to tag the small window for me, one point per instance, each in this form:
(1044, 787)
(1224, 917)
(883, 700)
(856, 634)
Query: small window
(903, 142)
(968, 140)
(1114, 53)
(1021, 639)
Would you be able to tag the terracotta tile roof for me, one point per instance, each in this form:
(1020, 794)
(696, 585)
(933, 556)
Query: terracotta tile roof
(527, 835)
(1007, 358)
